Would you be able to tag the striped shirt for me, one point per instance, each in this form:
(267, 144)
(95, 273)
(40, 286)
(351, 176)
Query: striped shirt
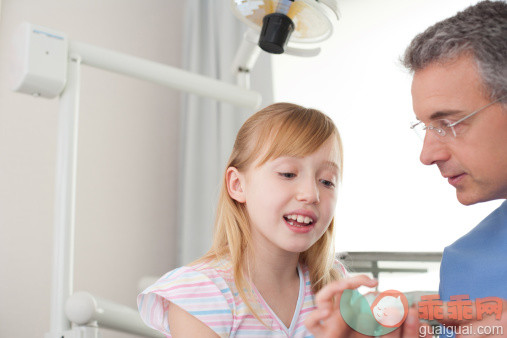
(207, 291)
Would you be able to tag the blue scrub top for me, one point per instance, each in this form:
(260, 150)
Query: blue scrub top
(476, 264)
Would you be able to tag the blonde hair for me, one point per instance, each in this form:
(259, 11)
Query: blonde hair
(281, 129)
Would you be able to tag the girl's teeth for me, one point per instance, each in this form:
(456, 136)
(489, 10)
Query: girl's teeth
(298, 218)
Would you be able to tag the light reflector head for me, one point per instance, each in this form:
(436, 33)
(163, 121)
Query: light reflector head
(313, 20)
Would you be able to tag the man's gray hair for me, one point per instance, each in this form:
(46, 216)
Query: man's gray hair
(480, 30)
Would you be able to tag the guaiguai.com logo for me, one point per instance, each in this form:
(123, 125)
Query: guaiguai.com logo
(374, 315)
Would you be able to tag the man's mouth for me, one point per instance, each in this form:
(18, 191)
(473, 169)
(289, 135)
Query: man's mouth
(454, 180)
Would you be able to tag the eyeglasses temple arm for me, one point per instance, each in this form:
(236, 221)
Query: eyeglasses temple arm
(475, 112)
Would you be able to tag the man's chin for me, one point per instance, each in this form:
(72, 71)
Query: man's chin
(467, 198)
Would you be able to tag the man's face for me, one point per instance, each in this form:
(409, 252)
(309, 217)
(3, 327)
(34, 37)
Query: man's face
(474, 162)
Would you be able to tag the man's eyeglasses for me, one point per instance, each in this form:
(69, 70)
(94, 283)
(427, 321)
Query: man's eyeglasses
(443, 127)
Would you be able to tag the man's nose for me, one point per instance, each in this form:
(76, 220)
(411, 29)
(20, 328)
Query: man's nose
(433, 150)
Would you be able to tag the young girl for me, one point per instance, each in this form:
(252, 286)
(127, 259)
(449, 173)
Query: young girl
(273, 246)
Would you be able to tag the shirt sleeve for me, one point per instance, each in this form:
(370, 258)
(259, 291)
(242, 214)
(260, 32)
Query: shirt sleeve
(201, 295)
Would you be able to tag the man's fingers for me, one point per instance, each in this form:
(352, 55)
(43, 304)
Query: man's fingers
(410, 328)
(411, 325)
(394, 334)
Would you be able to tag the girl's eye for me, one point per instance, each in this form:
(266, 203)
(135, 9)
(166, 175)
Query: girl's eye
(328, 184)
(287, 175)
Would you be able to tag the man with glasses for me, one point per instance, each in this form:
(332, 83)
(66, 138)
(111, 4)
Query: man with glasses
(459, 96)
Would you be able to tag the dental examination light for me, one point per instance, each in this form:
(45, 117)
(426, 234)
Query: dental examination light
(293, 27)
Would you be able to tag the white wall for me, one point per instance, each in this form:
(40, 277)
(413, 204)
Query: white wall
(127, 162)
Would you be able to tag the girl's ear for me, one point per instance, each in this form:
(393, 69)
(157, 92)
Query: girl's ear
(235, 181)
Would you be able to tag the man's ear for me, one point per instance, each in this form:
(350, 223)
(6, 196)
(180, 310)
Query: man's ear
(235, 184)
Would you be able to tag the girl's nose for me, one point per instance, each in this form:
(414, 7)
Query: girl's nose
(308, 192)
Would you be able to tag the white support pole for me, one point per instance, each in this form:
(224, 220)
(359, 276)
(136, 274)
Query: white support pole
(164, 75)
(245, 58)
(84, 309)
(63, 253)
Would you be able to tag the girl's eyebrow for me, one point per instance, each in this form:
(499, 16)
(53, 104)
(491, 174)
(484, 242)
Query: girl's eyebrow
(331, 164)
(283, 158)
(327, 164)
